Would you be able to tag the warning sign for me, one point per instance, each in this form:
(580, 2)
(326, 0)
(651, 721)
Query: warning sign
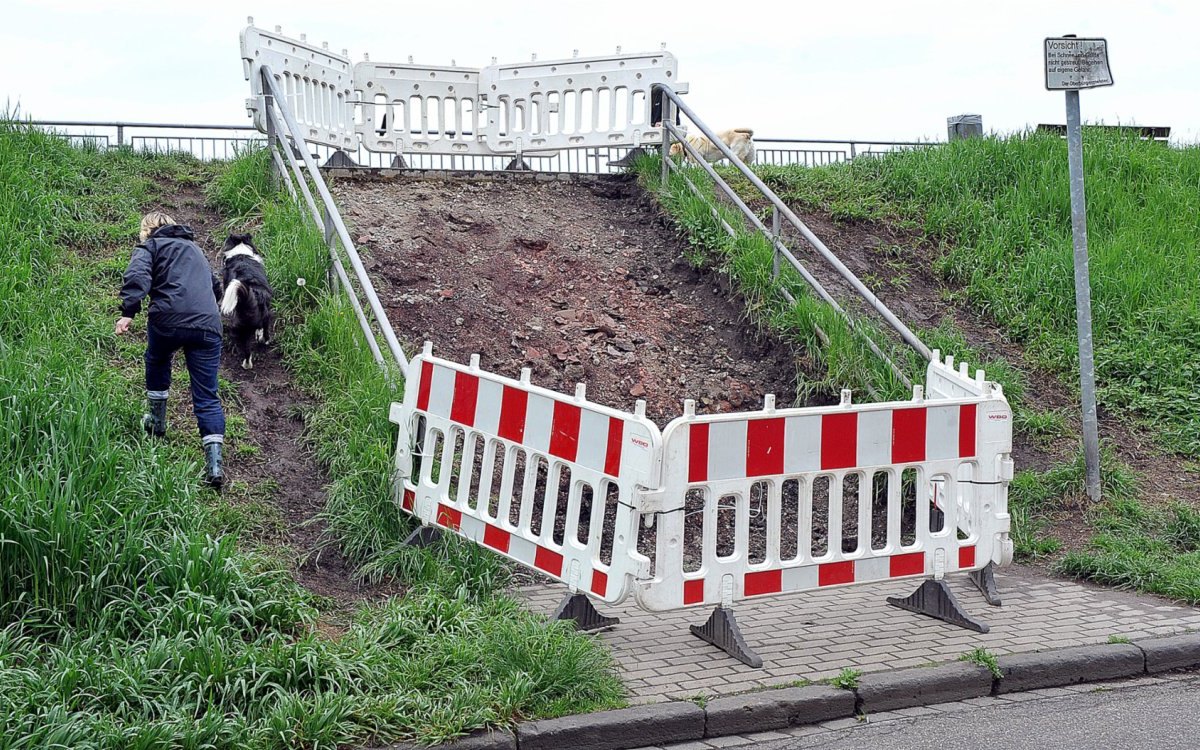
(1073, 64)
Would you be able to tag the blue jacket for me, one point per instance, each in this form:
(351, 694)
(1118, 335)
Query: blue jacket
(183, 290)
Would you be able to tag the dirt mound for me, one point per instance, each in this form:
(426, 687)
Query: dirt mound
(578, 280)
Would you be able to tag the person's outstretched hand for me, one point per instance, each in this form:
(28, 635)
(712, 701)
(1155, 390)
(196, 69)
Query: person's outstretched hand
(122, 325)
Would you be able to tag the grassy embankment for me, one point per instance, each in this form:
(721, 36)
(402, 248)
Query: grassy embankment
(1000, 210)
(127, 620)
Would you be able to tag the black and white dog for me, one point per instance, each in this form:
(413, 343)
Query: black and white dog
(247, 301)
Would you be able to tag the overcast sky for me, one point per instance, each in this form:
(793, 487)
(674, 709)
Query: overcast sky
(855, 69)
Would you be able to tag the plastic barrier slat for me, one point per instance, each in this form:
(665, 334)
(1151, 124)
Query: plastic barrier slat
(482, 423)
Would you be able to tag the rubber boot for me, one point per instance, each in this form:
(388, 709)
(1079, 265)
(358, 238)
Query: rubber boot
(155, 420)
(214, 470)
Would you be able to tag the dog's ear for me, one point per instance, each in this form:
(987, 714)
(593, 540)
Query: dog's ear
(234, 240)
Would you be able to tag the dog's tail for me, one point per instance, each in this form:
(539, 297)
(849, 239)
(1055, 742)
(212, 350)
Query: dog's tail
(230, 300)
(747, 131)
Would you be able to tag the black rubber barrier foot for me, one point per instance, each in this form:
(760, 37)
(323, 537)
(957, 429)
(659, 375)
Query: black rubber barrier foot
(985, 580)
(338, 158)
(722, 631)
(517, 165)
(424, 536)
(578, 609)
(935, 599)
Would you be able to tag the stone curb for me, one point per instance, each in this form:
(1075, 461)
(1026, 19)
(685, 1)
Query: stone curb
(921, 686)
(681, 721)
(1170, 652)
(776, 709)
(653, 724)
(500, 739)
(1069, 666)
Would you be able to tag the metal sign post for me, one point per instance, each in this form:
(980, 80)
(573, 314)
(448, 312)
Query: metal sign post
(1073, 64)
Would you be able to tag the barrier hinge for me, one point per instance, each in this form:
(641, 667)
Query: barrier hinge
(396, 413)
(648, 501)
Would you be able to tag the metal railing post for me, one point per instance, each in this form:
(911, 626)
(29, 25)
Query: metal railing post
(775, 240)
(667, 117)
(330, 276)
(120, 135)
(272, 137)
(853, 150)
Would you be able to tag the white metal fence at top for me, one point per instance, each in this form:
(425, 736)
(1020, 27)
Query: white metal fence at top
(225, 142)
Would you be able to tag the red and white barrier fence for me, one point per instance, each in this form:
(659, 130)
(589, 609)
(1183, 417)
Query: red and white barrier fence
(789, 500)
(733, 506)
(548, 480)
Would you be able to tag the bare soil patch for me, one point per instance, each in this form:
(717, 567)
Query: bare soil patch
(578, 280)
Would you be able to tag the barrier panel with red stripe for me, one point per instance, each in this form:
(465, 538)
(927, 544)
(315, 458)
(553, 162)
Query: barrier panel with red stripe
(791, 500)
(548, 480)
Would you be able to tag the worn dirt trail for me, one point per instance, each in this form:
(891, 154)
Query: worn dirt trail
(283, 471)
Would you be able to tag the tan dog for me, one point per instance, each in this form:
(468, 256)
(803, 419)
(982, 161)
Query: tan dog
(739, 140)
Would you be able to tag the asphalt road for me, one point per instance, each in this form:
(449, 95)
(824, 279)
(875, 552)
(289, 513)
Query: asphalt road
(1161, 715)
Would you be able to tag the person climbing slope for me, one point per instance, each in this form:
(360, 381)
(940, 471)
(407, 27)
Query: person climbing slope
(169, 267)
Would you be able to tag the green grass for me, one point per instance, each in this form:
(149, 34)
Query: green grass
(349, 429)
(847, 679)
(1002, 209)
(1153, 549)
(130, 616)
(985, 659)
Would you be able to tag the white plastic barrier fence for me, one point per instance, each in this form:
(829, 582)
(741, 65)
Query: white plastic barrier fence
(575, 103)
(316, 83)
(419, 109)
(501, 110)
(791, 500)
(545, 479)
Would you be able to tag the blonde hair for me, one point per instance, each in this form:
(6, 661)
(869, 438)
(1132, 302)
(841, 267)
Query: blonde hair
(154, 220)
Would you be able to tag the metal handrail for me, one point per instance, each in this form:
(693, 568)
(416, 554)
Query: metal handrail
(158, 125)
(782, 208)
(780, 250)
(319, 218)
(847, 141)
(275, 101)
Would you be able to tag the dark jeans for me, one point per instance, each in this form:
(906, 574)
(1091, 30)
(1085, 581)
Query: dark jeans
(656, 109)
(202, 350)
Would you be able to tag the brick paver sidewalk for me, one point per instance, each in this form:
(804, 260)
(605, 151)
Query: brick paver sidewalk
(814, 636)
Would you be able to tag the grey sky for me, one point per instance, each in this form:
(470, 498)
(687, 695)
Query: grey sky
(854, 69)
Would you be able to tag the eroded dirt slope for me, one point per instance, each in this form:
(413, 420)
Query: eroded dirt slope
(579, 280)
